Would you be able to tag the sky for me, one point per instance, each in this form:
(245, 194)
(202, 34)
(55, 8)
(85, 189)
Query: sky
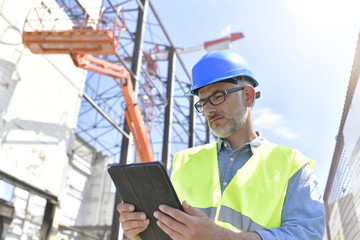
(301, 53)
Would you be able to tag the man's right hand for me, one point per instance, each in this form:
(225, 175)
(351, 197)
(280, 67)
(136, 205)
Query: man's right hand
(132, 222)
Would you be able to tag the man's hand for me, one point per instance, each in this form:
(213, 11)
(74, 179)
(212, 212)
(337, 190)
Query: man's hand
(193, 224)
(132, 222)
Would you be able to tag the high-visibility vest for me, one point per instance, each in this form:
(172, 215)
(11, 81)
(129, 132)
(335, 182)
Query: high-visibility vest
(254, 198)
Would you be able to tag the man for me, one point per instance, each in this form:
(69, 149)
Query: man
(242, 186)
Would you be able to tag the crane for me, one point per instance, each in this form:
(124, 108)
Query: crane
(82, 39)
(213, 45)
(50, 31)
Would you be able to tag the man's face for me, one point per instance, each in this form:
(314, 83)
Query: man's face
(228, 117)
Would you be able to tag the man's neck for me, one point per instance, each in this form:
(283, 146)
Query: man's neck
(244, 135)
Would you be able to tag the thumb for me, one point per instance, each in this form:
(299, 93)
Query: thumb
(137, 237)
(191, 210)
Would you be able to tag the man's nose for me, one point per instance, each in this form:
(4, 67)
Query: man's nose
(209, 108)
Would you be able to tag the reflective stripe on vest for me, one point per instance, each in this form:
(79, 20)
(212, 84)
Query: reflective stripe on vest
(253, 199)
(238, 220)
(210, 212)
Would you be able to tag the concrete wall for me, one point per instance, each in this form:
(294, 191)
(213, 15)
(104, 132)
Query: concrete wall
(40, 98)
(97, 210)
(87, 202)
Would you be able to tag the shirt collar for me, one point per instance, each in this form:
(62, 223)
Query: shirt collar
(254, 144)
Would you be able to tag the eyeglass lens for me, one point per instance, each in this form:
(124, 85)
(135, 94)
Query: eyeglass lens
(215, 99)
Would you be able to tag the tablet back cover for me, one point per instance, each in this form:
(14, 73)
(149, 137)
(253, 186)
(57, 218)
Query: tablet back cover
(145, 185)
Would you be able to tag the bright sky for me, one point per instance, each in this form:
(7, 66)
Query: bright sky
(301, 52)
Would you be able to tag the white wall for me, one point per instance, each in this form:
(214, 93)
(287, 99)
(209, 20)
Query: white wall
(40, 97)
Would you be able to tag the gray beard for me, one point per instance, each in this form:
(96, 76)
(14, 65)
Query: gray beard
(233, 125)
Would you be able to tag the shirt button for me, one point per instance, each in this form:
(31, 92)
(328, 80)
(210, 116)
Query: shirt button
(225, 183)
(225, 144)
(231, 159)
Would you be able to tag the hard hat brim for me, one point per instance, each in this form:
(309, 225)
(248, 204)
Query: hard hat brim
(194, 90)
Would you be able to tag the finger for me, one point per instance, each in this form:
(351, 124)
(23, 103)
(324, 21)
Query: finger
(129, 216)
(170, 222)
(173, 234)
(135, 224)
(125, 207)
(175, 213)
(133, 233)
(133, 228)
(192, 211)
(137, 237)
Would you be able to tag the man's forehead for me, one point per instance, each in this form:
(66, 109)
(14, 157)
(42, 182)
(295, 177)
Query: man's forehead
(209, 89)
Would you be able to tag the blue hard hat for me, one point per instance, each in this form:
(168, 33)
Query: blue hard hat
(218, 66)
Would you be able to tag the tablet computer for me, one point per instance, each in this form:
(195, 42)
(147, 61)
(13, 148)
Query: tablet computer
(146, 186)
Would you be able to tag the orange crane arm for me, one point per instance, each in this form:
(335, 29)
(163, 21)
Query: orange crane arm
(84, 37)
(133, 115)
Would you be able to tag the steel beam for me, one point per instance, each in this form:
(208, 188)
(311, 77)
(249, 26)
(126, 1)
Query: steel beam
(192, 123)
(46, 226)
(112, 122)
(169, 107)
(135, 68)
(207, 133)
(19, 183)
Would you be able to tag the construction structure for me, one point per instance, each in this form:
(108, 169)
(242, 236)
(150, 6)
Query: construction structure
(342, 193)
(66, 115)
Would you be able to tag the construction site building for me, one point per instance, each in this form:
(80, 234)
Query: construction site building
(342, 193)
(62, 126)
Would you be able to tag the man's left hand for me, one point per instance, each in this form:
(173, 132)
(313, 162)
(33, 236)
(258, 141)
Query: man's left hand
(191, 224)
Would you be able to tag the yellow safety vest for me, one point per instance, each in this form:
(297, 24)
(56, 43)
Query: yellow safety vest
(254, 198)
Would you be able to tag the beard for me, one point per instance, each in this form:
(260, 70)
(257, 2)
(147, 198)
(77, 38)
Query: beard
(234, 122)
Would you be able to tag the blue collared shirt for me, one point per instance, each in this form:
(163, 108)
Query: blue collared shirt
(303, 214)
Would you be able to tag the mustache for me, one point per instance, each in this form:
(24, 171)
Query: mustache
(214, 115)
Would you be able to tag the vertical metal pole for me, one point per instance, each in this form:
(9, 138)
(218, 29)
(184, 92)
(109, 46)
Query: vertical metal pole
(332, 173)
(115, 221)
(169, 107)
(192, 123)
(207, 133)
(135, 68)
(48, 218)
(327, 211)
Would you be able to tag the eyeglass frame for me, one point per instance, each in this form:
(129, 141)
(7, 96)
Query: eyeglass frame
(206, 100)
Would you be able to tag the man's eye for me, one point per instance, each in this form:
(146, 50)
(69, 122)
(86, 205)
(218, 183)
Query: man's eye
(217, 96)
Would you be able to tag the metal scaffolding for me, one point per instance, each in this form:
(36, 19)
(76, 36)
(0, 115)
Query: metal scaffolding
(160, 85)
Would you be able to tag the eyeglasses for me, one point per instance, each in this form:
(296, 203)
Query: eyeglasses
(215, 99)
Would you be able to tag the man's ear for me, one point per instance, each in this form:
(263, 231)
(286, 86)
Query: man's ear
(250, 95)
